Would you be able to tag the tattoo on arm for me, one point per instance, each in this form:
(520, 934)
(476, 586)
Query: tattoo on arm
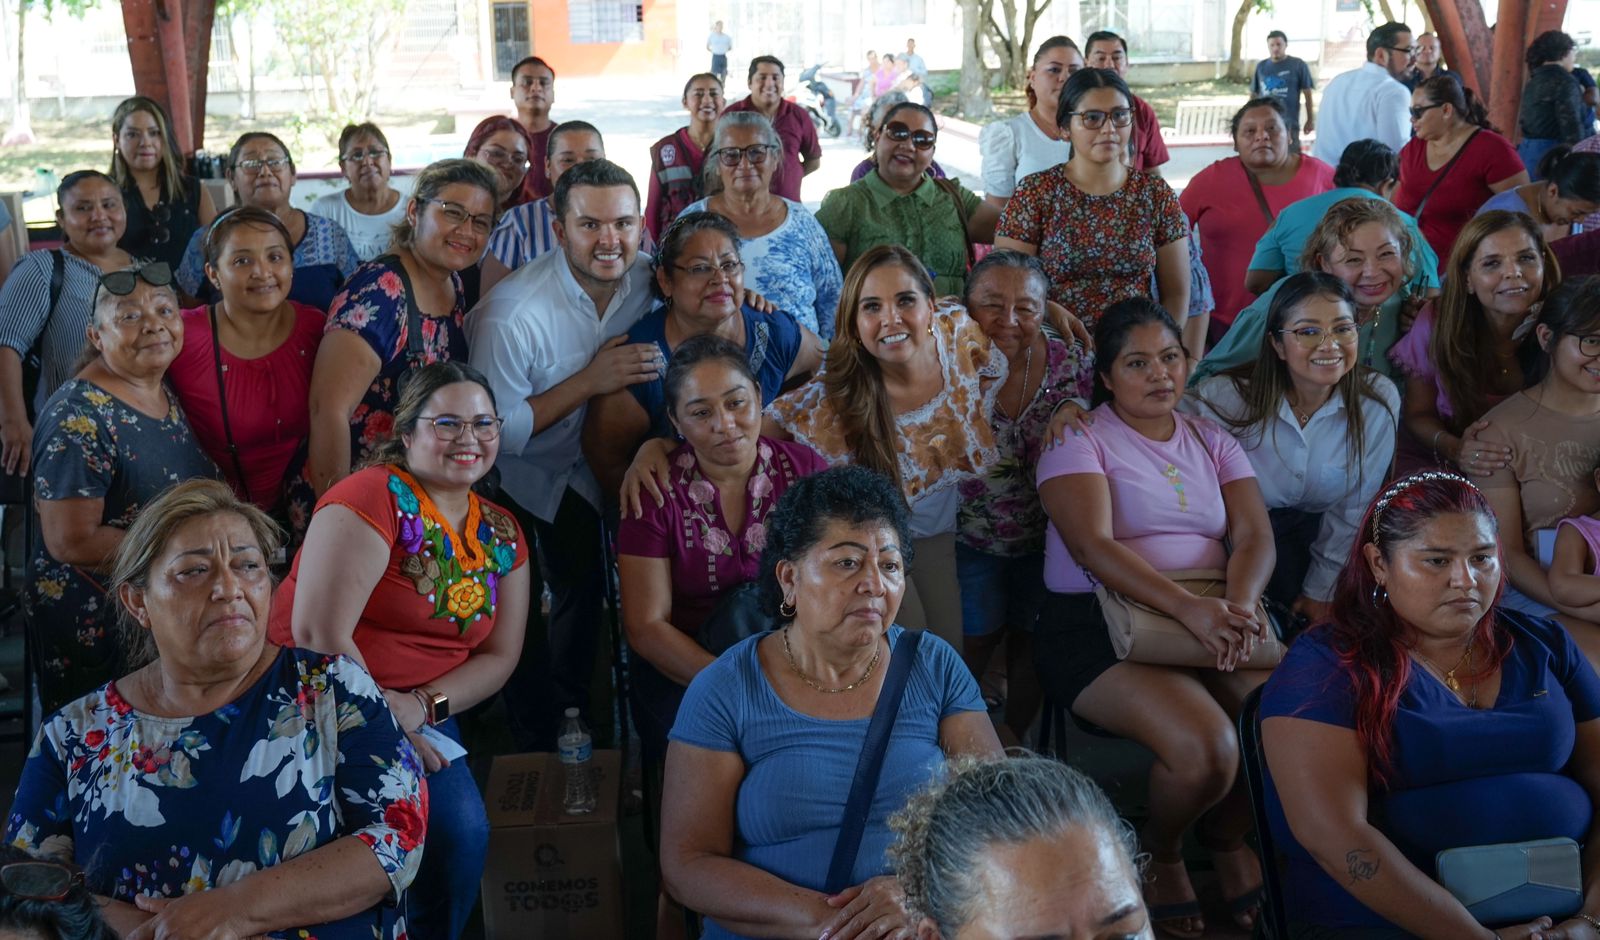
(1362, 864)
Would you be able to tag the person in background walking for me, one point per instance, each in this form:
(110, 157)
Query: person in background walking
(718, 44)
(1286, 78)
(1552, 100)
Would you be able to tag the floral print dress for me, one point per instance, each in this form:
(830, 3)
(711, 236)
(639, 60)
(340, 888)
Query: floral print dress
(88, 444)
(164, 807)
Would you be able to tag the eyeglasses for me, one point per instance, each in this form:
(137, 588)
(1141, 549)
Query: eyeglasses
(256, 166)
(458, 215)
(1417, 113)
(39, 881)
(1094, 120)
(121, 283)
(1589, 345)
(755, 153)
(1312, 337)
(357, 156)
(449, 428)
(1408, 50)
(702, 272)
(899, 133)
(497, 155)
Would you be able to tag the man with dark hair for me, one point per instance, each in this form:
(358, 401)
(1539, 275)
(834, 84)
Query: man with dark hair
(914, 63)
(1371, 101)
(549, 338)
(1286, 78)
(533, 91)
(1106, 50)
(527, 231)
(1427, 62)
(802, 152)
(718, 44)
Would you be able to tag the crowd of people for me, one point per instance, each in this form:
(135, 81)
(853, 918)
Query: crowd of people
(1322, 431)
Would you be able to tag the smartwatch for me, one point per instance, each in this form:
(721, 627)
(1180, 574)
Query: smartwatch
(437, 704)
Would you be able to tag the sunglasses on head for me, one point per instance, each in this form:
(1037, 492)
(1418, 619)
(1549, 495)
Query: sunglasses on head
(899, 133)
(39, 881)
(121, 283)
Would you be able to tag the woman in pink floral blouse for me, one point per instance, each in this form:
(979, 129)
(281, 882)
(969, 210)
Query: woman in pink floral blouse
(679, 558)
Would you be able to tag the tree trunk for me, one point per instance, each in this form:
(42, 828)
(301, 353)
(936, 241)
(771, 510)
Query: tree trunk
(250, 99)
(1002, 49)
(1236, 71)
(1029, 21)
(974, 90)
(21, 131)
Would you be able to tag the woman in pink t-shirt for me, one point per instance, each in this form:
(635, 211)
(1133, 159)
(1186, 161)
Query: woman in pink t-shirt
(1141, 491)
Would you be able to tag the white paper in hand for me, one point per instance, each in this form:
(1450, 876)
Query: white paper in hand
(443, 743)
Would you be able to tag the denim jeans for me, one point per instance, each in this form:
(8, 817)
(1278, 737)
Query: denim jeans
(441, 897)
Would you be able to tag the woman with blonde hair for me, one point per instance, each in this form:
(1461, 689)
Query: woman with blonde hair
(165, 205)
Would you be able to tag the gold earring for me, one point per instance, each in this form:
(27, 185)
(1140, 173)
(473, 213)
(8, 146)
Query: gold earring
(930, 327)
(786, 610)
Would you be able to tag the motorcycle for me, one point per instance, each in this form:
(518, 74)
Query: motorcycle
(816, 97)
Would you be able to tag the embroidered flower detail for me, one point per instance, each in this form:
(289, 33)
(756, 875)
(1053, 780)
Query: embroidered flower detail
(466, 598)
(702, 492)
(412, 533)
(413, 568)
(493, 580)
(716, 541)
(502, 526)
(764, 450)
(685, 460)
(760, 486)
(755, 537)
(403, 497)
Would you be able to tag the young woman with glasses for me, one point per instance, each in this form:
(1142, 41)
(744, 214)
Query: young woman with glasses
(165, 204)
(786, 254)
(898, 204)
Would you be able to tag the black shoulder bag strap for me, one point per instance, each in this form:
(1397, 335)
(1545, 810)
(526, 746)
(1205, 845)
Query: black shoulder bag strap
(870, 766)
(1261, 196)
(1442, 174)
(222, 402)
(33, 362)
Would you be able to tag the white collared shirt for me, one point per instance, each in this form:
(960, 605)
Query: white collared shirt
(534, 330)
(1309, 468)
(1360, 104)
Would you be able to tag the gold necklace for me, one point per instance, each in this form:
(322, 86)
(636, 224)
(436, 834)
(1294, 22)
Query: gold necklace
(877, 650)
(1022, 396)
(1449, 678)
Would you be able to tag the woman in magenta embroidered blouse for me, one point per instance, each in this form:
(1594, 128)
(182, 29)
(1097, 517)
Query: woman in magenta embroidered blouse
(244, 373)
(678, 558)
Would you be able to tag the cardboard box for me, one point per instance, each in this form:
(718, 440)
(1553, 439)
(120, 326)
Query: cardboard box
(551, 876)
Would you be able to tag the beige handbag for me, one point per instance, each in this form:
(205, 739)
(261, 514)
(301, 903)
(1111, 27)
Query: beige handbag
(1142, 634)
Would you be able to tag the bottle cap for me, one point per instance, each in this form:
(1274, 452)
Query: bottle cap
(572, 713)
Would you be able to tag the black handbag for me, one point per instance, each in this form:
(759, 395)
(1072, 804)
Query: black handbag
(737, 616)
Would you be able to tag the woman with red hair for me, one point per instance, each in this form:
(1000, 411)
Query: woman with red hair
(1426, 717)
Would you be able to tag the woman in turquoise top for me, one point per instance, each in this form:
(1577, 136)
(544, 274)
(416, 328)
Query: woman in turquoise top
(1362, 242)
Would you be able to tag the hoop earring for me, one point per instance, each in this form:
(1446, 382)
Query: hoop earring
(786, 610)
(930, 327)
(1380, 596)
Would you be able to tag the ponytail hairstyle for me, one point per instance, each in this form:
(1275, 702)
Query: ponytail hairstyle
(1367, 163)
(1575, 175)
(1046, 47)
(1444, 89)
(852, 378)
(1370, 640)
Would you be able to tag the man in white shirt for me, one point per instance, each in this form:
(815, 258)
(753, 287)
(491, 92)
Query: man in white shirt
(1370, 102)
(549, 337)
(718, 44)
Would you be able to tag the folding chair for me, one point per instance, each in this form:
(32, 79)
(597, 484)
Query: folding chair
(1273, 924)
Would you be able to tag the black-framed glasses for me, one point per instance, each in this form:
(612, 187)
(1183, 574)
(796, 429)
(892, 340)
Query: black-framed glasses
(1417, 113)
(121, 283)
(1408, 50)
(499, 155)
(1312, 337)
(357, 156)
(458, 215)
(449, 428)
(1094, 120)
(39, 880)
(899, 133)
(256, 166)
(1589, 345)
(755, 153)
(703, 272)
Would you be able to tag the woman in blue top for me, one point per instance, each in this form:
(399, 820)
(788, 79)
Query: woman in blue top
(700, 283)
(767, 739)
(262, 175)
(1425, 717)
(1566, 193)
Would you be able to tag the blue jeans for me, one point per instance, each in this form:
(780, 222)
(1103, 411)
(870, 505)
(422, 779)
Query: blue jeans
(446, 887)
(998, 591)
(1532, 150)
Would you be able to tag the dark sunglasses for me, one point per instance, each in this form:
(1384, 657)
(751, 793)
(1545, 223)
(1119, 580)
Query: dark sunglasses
(121, 283)
(899, 133)
(1417, 113)
(39, 881)
(161, 216)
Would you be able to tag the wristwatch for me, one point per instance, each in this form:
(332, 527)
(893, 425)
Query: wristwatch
(436, 704)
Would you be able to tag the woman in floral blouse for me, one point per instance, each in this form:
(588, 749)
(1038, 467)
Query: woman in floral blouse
(108, 440)
(227, 787)
(1000, 526)
(678, 558)
(408, 572)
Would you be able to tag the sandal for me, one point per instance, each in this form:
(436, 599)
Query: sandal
(1180, 919)
(1244, 908)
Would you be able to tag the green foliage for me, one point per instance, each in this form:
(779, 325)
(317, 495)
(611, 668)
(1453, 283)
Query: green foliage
(75, 7)
(339, 43)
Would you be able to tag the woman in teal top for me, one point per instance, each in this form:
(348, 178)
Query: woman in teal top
(1364, 243)
(1368, 170)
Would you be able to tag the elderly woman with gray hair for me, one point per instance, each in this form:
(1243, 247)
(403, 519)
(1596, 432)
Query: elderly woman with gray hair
(1025, 847)
(787, 258)
(227, 787)
(110, 438)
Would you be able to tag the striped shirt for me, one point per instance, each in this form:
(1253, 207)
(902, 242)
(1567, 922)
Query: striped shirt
(524, 233)
(25, 315)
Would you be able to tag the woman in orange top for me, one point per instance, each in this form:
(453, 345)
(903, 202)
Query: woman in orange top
(408, 571)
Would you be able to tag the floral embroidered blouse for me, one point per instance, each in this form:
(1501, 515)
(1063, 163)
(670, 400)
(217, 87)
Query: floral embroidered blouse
(941, 443)
(163, 807)
(1000, 511)
(88, 444)
(708, 559)
(437, 599)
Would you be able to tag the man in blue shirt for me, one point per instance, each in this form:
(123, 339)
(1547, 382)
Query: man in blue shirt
(1428, 62)
(1287, 79)
(914, 63)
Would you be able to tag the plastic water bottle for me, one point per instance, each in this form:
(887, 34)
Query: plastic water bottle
(576, 749)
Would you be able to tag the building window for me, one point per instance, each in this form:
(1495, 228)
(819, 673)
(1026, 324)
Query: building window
(604, 21)
(510, 37)
(899, 12)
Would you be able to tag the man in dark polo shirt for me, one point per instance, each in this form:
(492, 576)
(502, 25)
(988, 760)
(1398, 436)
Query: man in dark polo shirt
(802, 153)
(1107, 50)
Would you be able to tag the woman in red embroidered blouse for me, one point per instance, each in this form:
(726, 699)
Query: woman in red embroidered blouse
(409, 572)
(678, 558)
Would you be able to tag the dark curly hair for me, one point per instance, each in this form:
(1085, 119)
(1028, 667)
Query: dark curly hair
(74, 917)
(849, 494)
(1550, 46)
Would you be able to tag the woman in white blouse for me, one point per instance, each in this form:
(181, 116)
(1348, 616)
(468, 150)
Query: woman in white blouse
(1319, 430)
(1031, 141)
